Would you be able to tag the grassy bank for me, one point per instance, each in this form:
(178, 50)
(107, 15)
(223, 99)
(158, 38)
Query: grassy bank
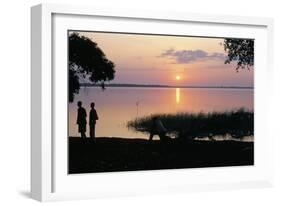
(118, 154)
(237, 123)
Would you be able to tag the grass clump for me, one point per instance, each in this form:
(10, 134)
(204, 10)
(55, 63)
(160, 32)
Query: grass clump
(237, 123)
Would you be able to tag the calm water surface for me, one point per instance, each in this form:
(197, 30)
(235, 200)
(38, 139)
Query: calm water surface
(116, 106)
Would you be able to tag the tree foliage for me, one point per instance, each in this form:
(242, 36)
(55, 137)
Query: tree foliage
(241, 51)
(87, 60)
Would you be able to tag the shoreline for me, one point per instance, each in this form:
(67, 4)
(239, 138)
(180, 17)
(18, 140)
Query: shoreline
(119, 154)
(156, 138)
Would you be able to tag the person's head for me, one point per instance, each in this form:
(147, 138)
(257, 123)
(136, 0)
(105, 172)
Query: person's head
(93, 105)
(79, 103)
(154, 119)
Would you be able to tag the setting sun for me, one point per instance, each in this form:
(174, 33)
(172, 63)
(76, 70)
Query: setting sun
(178, 77)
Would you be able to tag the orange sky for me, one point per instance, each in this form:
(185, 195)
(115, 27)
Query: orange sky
(154, 59)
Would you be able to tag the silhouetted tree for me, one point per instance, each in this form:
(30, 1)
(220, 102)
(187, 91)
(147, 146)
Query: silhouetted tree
(73, 84)
(240, 50)
(86, 60)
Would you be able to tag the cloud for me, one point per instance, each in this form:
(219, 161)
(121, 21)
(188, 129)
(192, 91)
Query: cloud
(187, 56)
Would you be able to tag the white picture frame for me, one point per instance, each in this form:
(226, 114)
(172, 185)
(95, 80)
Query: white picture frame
(49, 179)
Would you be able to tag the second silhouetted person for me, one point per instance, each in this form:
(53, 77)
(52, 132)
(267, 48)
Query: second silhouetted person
(93, 117)
(81, 119)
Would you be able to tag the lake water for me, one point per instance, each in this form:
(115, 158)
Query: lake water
(117, 105)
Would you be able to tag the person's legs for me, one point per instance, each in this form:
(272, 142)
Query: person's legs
(151, 136)
(93, 132)
(82, 130)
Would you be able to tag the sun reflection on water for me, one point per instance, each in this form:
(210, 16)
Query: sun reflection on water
(178, 95)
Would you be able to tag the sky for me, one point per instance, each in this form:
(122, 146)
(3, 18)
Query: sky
(169, 60)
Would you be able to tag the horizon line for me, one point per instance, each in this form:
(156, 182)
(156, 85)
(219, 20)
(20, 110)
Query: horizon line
(161, 85)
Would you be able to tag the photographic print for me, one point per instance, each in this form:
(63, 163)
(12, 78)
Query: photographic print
(155, 101)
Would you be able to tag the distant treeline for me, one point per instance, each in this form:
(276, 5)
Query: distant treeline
(160, 86)
(237, 123)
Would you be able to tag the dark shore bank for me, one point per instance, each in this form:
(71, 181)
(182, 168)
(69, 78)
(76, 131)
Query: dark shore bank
(118, 154)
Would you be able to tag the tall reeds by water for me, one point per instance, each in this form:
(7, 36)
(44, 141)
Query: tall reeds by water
(237, 123)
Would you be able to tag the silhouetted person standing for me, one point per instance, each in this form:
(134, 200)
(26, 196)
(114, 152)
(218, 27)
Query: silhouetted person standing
(93, 117)
(81, 119)
(157, 128)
